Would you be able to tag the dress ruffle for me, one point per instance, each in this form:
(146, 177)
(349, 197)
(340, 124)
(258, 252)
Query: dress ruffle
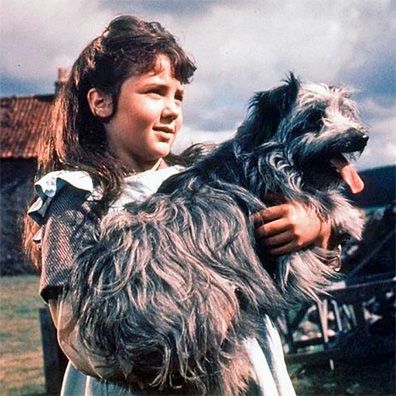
(137, 187)
(49, 185)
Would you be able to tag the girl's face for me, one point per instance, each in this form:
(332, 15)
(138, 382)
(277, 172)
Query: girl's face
(148, 117)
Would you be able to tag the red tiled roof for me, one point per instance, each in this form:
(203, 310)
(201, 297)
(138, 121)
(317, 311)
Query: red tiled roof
(22, 122)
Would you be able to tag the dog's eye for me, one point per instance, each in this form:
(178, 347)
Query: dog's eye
(314, 120)
(348, 111)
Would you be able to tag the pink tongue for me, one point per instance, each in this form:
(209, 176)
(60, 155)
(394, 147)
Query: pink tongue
(348, 174)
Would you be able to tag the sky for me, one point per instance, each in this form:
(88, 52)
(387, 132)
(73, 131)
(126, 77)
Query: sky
(240, 47)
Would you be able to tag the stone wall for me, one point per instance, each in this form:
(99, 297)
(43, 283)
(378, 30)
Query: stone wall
(16, 186)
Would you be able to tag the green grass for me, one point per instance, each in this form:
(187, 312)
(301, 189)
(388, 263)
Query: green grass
(371, 378)
(21, 358)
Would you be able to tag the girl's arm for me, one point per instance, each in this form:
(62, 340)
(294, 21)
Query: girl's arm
(71, 345)
(70, 222)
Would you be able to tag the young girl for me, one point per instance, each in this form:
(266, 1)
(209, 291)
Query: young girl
(110, 141)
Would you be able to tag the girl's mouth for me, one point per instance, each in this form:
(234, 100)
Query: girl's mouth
(165, 129)
(164, 133)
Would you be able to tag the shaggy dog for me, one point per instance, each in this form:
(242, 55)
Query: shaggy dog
(172, 287)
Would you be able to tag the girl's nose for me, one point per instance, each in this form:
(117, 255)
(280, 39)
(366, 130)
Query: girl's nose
(171, 110)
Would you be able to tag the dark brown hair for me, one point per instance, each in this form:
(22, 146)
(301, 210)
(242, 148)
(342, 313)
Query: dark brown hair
(76, 138)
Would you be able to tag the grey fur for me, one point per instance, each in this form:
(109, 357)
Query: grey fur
(170, 289)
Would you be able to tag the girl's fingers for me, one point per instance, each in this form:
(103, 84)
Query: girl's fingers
(289, 227)
(285, 249)
(272, 228)
(277, 240)
(270, 214)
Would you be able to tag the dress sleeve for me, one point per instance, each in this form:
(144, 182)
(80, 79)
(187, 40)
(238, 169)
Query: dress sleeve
(70, 221)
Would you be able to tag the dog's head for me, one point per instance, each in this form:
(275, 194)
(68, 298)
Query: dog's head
(317, 126)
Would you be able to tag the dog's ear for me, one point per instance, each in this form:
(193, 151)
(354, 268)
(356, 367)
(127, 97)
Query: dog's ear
(282, 99)
(269, 107)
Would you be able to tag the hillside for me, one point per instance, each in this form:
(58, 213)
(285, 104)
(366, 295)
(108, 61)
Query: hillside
(380, 187)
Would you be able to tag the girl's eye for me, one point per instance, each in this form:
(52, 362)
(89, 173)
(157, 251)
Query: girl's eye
(155, 91)
(179, 97)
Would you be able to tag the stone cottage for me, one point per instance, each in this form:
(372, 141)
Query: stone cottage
(22, 122)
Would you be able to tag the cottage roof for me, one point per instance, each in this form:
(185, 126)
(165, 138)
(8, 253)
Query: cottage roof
(22, 122)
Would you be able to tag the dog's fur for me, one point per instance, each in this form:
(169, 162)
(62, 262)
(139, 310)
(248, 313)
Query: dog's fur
(173, 286)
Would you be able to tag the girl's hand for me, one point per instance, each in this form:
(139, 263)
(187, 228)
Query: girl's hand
(290, 227)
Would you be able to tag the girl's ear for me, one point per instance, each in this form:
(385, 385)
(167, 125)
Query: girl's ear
(101, 104)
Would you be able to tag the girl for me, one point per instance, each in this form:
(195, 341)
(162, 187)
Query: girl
(110, 141)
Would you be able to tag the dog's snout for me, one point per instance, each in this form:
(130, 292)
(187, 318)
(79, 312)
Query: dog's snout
(357, 134)
(356, 139)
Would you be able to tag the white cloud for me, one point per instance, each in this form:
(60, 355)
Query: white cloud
(189, 136)
(239, 46)
(381, 149)
(39, 36)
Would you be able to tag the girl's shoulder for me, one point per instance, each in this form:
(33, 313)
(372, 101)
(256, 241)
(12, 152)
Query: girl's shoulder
(137, 187)
(51, 185)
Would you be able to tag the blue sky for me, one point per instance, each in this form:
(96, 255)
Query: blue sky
(240, 47)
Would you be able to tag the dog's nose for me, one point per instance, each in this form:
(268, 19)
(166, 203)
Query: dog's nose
(357, 134)
(356, 139)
